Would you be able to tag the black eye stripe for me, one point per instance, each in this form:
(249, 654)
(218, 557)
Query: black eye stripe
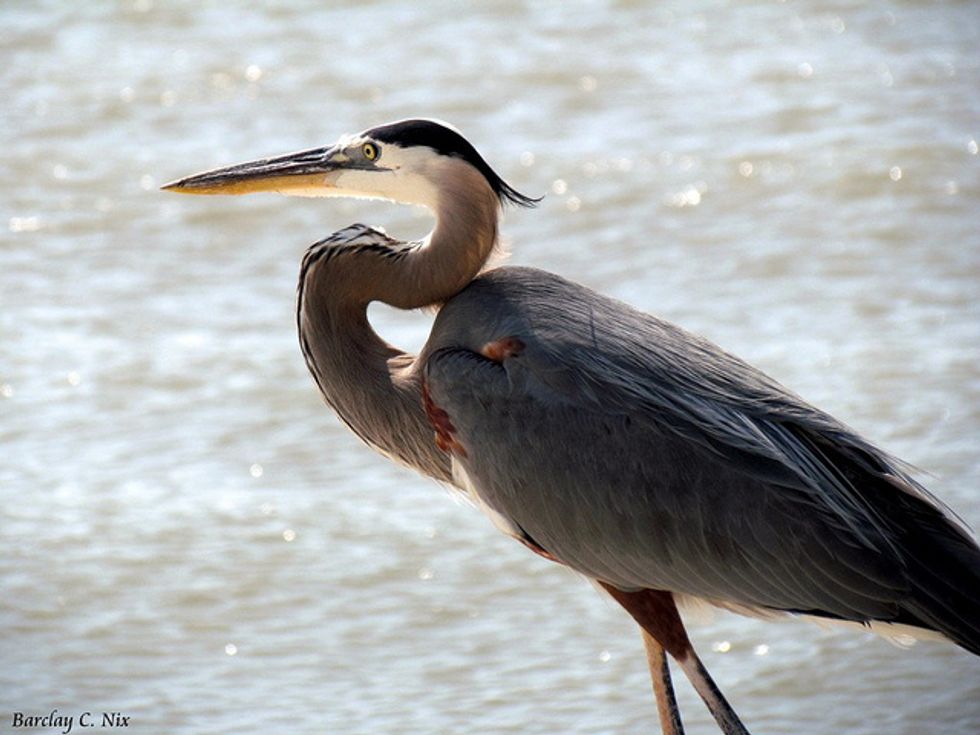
(446, 142)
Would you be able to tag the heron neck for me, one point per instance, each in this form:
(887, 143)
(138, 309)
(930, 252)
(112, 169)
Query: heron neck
(375, 388)
(451, 255)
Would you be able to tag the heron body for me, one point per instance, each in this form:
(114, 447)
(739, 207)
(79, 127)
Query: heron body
(601, 437)
(698, 476)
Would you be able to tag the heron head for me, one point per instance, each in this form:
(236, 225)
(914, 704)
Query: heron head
(411, 161)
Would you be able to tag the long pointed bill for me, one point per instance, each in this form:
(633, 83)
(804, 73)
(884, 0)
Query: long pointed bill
(310, 173)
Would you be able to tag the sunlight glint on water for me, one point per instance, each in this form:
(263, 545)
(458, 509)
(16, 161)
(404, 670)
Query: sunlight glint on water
(190, 538)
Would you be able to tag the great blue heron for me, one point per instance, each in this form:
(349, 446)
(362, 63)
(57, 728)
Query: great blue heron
(600, 437)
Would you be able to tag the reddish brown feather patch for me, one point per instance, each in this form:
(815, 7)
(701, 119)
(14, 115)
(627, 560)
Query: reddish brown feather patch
(444, 428)
(501, 349)
(657, 614)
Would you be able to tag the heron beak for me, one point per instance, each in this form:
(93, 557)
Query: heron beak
(305, 173)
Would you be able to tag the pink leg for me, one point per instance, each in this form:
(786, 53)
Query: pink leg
(663, 689)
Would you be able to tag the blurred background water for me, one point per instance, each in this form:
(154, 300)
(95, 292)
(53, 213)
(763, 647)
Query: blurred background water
(189, 537)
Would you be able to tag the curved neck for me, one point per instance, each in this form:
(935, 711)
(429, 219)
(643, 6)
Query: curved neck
(375, 388)
(451, 255)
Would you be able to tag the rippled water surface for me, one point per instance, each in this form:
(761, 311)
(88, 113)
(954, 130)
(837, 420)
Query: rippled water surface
(190, 538)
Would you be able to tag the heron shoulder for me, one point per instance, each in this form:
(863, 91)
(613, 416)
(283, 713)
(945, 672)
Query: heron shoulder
(504, 301)
(597, 333)
(611, 340)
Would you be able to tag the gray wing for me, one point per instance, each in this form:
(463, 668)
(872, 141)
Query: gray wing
(644, 456)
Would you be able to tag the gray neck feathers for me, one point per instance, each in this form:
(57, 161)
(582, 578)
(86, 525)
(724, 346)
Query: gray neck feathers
(374, 387)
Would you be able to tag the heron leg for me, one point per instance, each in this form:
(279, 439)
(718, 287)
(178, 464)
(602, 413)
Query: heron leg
(663, 689)
(704, 685)
(657, 614)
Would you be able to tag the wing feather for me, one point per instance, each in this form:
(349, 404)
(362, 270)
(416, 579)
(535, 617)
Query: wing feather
(644, 456)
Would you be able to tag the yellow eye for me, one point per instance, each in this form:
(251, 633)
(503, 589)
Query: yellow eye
(370, 151)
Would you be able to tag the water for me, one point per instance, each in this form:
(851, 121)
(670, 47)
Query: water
(191, 539)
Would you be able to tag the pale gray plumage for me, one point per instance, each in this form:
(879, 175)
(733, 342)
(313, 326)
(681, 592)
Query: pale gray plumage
(611, 441)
